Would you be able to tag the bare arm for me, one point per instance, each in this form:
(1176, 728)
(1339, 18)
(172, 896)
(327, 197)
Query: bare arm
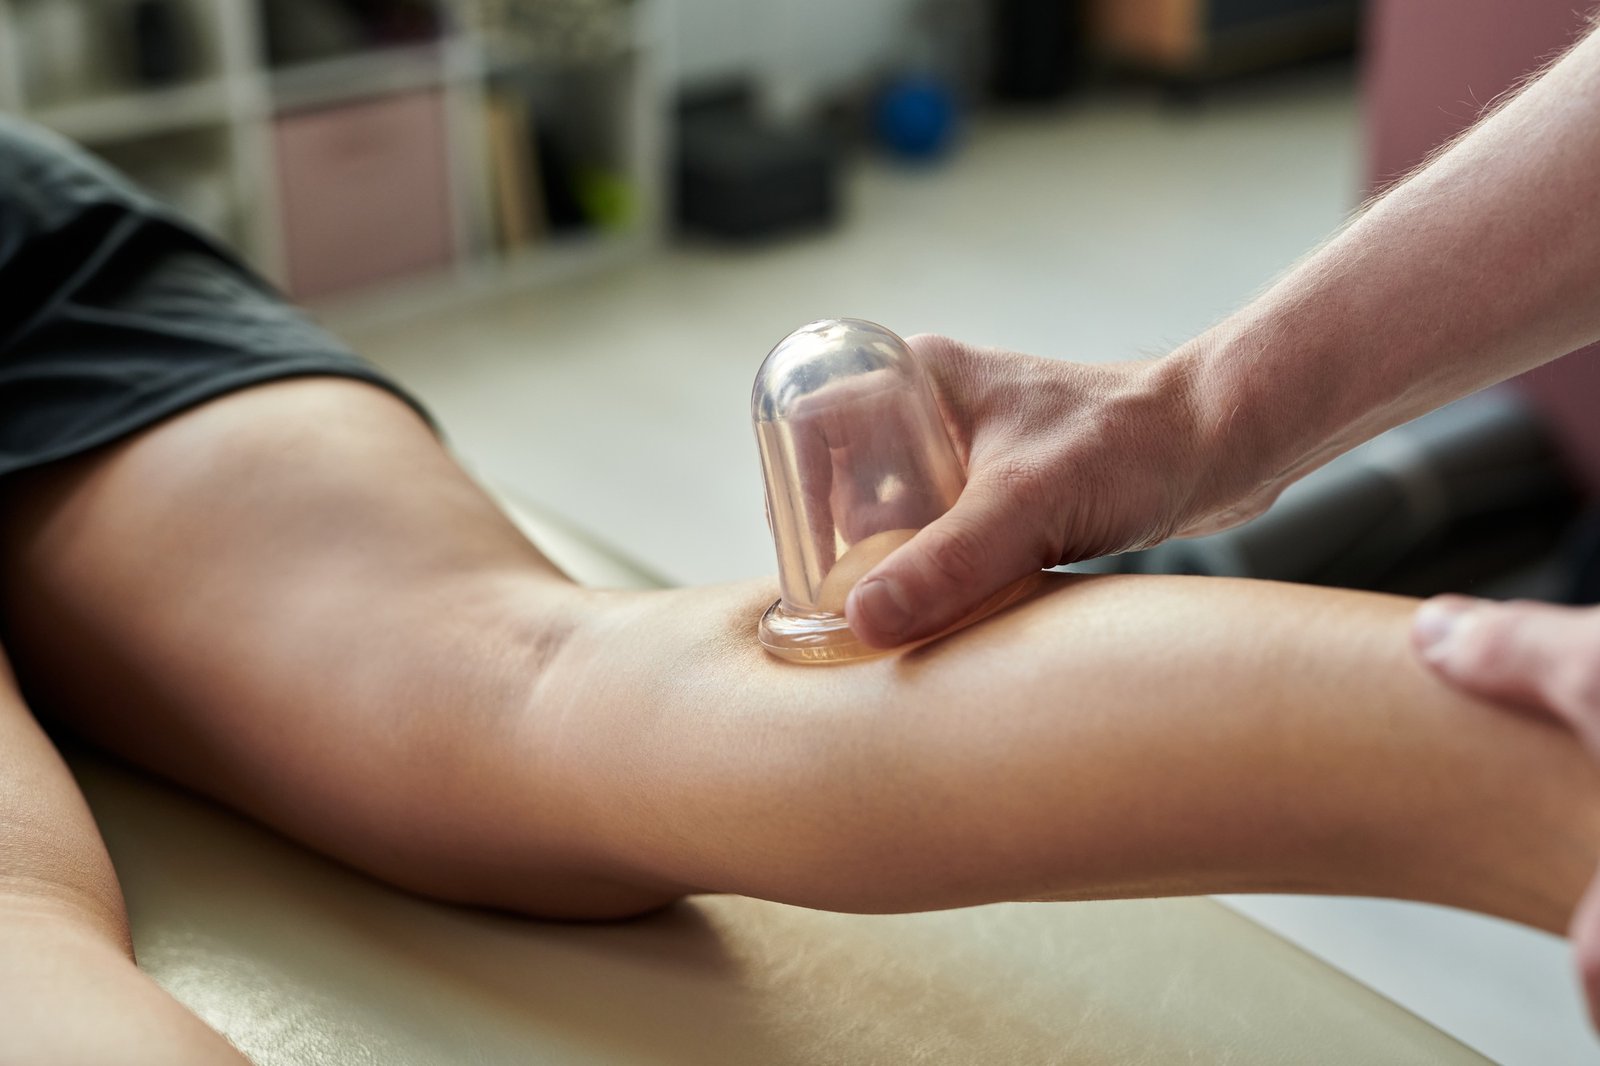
(1483, 264)
(1113, 737)
(294, 601)
(71, 991)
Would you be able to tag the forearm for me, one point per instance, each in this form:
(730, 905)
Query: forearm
(52, 861)
(1113, 737)
(73, 996)
(1483, 264)
(70, 989)
(397, 678)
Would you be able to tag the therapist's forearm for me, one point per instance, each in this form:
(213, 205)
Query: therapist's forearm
(1481, 265)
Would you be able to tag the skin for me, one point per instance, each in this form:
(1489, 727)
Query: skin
(241, 601)
(63, 931)
(1538, 657)
(1481, 265)
(398, 679)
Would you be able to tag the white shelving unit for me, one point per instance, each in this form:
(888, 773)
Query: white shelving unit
(214, 141)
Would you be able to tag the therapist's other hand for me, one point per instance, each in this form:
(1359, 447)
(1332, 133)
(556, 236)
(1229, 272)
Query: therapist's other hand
(1535, 656)
(1065, 461)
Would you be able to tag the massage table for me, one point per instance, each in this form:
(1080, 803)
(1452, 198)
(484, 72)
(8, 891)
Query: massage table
(301, 961)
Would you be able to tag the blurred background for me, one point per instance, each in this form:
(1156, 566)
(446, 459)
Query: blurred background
(574, 227)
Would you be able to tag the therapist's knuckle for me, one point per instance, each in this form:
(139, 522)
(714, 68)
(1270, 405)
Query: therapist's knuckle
(946, 359)
(933, 348)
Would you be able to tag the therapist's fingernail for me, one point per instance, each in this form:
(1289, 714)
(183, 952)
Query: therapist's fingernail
(882, 603)
(1437, 625)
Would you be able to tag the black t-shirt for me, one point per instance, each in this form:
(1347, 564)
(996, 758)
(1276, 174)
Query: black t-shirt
(116, 313)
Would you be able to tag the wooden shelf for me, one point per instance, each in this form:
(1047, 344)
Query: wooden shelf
(552, 262)
(327, 82)
(132, 115)
(235, 118)
(499, 54)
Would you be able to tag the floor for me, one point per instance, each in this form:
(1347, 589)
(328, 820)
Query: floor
(1101, 231)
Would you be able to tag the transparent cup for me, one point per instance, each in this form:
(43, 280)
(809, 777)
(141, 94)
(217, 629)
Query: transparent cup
(856, 460)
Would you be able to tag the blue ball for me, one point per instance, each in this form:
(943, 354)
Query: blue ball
(916, 118)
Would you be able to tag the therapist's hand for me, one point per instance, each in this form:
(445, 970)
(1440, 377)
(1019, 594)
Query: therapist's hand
(1538, 657)
(1065, 461)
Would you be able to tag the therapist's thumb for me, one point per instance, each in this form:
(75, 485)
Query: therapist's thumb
(949, 568)
(1530, 654)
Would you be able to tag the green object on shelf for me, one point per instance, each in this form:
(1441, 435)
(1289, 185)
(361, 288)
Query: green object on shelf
(607, 198)
(281, 172)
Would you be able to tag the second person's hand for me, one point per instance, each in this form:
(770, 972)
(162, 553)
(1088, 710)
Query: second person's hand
(1535, 656)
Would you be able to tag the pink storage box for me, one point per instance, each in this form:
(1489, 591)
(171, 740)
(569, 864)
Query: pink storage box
(365, 193)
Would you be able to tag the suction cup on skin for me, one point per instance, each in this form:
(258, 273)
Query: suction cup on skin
(856, 460)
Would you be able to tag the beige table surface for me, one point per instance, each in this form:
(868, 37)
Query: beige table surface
(300, 961)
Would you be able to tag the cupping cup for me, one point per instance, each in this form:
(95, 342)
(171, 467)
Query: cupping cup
(856, 459)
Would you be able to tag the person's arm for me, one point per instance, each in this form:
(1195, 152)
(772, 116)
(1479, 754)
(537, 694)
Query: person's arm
(1119, 736)
(354, 646)
(1483, 264)
(1535, 656)
(70, 989)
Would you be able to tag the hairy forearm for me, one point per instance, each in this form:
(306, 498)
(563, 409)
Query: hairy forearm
(1481, 265)
(1114, 737)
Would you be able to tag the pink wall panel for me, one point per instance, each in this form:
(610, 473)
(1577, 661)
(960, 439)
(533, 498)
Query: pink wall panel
(1432, 65)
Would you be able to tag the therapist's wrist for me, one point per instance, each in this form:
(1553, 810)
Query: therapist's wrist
(1235, 459)
(1269, 401)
